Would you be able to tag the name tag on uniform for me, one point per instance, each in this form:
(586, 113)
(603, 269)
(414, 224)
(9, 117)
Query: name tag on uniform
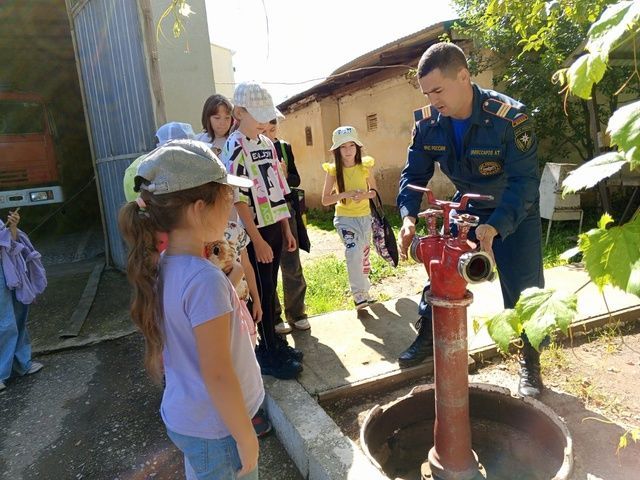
(435, 148)
(485, 152)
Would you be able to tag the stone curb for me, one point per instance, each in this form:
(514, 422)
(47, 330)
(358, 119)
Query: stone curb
(312, 439)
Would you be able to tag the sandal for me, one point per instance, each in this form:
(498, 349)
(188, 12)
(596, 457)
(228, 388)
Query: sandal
(261, 423)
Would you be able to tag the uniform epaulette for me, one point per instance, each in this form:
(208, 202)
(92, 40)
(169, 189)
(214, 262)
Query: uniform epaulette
(422, 113)
(504, 110)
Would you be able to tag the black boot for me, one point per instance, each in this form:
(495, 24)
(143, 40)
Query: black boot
(530, 379)
(422, 346)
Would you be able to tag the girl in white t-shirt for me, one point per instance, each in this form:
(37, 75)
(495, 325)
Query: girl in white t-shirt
(216, 122)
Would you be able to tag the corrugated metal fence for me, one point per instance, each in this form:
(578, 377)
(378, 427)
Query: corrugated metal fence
(117, 98)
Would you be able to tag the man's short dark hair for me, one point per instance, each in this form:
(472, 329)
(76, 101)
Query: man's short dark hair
(447, 57)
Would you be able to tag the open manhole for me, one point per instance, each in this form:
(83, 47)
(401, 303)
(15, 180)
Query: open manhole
(514, 437)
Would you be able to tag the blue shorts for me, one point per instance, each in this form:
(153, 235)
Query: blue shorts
(206, 459)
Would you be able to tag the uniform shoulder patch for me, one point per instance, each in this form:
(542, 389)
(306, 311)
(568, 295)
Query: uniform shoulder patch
(423, 113)
(524, 137)
(504, 110)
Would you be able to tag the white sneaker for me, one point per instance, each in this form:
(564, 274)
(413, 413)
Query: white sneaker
(360, 305)
(35, 368)
(2, 386)
(302, 324)
(360, 300)
(283, 328)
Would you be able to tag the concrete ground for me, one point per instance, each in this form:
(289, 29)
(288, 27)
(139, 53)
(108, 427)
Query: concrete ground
(348, 348)
(92, 412)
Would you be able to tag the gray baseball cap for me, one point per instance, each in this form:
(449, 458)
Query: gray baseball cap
(181, 165)
(257, 101)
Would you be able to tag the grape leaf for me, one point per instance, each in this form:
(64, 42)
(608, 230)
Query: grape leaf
(624, 128)
(476, 326)
(541, 311)
(584, 72)
(612, 256)
(622, 443)
(501, 328)
(605, 220)
(613, 25)
(593, 171)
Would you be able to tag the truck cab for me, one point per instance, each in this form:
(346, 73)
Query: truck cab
(28, 163)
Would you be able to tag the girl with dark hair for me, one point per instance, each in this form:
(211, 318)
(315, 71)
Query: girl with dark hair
(349, 184)
(196, 332)
(216, 122)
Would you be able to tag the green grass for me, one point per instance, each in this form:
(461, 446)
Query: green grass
(323, 219)
(327, 282)
(320, 219)
(327, 285)
(563, 236)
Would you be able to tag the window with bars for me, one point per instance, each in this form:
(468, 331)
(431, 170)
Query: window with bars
(308, 136)
(372, 122)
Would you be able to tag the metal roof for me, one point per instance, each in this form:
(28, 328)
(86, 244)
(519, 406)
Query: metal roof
(402, 52)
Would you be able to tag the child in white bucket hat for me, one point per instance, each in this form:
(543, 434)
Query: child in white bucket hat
(349, 184)
(264, 212)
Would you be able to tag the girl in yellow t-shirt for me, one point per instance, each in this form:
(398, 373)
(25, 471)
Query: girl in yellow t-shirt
(349, 185)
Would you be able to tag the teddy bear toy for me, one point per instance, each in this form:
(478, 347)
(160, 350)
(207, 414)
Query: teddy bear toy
(222, 254)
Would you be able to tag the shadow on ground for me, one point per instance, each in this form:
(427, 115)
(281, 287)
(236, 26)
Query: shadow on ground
(93, 413)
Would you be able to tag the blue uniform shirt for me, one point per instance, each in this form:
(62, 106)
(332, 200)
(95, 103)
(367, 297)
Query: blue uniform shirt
(459, 130)
(498, 158)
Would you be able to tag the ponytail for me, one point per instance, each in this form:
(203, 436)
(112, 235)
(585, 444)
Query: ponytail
(142, 272)
(139, 223)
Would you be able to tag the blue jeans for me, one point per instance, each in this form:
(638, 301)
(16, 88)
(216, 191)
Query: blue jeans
(206, 459)
(15, 345)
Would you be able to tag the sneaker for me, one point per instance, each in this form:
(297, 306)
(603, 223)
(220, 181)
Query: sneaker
(286, 351)
(362, 304)
(293, 353)
(283, 328)
(278, 366)
(360, 300)
(261, 424)
(302, 324)
(35, 368)
(2, 386)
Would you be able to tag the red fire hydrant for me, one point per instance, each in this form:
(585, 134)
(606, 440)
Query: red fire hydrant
(451, 262)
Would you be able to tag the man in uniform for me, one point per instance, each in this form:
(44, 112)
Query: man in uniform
(484, 142)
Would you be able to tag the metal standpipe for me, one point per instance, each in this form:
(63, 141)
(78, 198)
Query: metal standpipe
(451, 457)
(451, 263)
